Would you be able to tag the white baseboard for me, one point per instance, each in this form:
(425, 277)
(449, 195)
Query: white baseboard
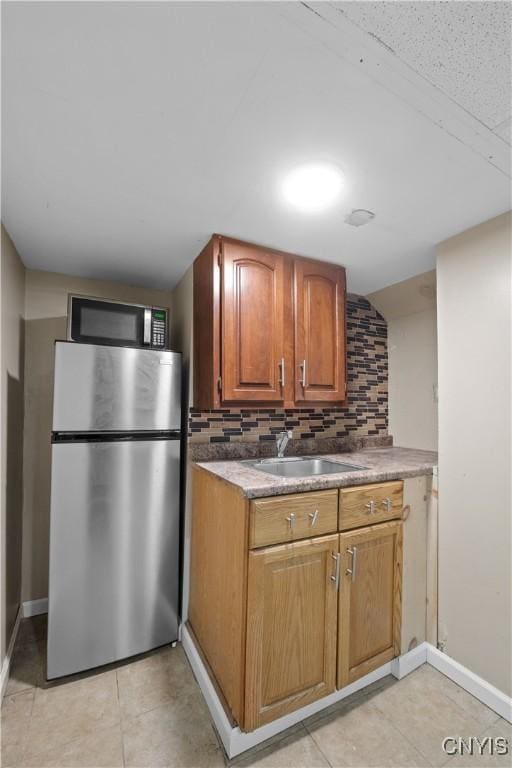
(35, 607)
(403, 665)
(495, 699)
(236, 741)
(6, 664)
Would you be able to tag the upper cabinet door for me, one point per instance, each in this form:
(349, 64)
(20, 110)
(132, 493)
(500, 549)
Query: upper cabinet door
(319, 331)
(252, 331)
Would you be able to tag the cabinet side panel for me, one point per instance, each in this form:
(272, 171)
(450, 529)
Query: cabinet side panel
(218, 577)
(414, 587)
(206, 327)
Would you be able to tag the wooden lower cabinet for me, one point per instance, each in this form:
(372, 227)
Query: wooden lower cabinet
(370, 600)
(291, 628)
(276, 627)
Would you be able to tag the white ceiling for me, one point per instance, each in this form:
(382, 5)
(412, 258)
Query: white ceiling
(461, 47)
(132, 131)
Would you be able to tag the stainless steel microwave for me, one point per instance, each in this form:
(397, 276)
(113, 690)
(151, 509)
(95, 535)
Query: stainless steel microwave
(102, 321)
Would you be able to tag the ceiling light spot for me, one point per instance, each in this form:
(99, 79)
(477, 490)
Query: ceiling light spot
(313, 187)
(358, 217)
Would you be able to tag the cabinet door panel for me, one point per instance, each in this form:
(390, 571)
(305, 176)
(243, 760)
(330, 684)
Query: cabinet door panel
(291, 630)
(252, 323)
(319, 331)
(370, 600)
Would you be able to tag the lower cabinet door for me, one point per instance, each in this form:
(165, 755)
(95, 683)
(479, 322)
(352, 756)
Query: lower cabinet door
(291, 627)
(370, 600)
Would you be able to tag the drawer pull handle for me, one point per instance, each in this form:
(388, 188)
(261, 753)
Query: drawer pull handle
(352, 571)
(370, 507)
(336, 575)
(387, 504)
(313, 516)
(291, 520)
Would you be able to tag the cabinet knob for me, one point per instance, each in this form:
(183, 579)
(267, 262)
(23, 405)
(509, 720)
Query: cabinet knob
(313, 516)
(387, 504)
(291, 520)
(370, 507)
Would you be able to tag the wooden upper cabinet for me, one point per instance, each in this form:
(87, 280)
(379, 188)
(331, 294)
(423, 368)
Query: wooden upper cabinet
(258, 313)
(370, 599)
(206, 313)
(320, 373)
(252, 327)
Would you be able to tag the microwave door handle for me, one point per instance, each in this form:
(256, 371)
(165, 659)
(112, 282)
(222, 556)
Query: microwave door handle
(147, 326)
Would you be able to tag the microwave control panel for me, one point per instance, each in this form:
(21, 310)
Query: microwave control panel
(159, 329)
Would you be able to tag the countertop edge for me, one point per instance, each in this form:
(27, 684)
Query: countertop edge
(276, 487)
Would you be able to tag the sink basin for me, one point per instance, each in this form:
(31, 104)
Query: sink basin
(307, 466)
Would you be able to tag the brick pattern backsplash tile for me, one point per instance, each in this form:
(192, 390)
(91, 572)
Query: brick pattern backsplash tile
(366, 410)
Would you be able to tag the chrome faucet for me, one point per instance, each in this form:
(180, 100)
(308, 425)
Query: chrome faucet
(282, 441)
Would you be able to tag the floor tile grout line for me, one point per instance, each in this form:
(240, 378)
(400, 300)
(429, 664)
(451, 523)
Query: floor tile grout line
(317, 745)
(25, 741)
(416, 746)
(466, 692)
(367, 699)
(66, 743)
(121, 733)
(35, 688)
(485, 726)
(459, 687)
(409, 741)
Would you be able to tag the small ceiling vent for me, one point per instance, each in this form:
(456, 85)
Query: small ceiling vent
(358, 217)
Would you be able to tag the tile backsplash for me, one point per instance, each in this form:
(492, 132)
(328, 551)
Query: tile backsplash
(366, 410)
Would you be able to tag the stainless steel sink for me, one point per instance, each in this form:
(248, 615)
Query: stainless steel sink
(307, 466)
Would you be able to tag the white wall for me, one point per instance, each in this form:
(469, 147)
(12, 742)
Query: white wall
(410, 310)
(412, 360)
(181, 327)
(474, 317)
(12, 299)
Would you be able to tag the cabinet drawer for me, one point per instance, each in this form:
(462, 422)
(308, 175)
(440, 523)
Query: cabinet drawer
(369, 504)
(287, 518)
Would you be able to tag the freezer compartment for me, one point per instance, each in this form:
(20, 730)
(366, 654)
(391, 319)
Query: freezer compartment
(114, 551)
(104, 388)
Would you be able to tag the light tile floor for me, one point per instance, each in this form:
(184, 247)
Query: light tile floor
(149, 712)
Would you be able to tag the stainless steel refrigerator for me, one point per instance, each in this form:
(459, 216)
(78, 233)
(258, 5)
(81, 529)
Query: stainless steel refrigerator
(114, 521)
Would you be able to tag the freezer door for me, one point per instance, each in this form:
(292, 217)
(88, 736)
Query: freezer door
(102, 388)
(114, 551)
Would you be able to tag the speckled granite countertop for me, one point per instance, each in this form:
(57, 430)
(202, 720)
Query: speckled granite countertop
(381, 464)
